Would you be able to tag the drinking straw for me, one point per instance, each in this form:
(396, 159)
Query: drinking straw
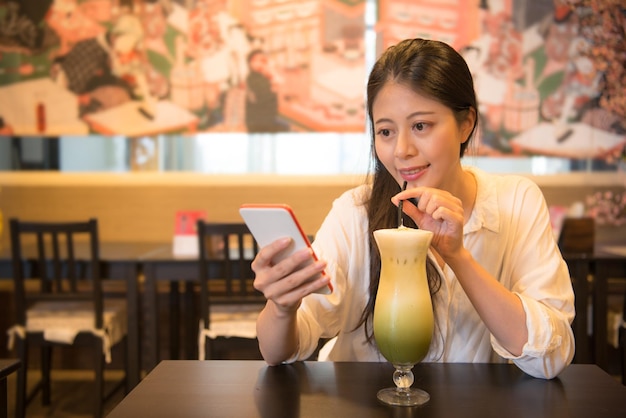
(400, 221)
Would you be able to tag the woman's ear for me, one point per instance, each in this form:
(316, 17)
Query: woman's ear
(468, 125)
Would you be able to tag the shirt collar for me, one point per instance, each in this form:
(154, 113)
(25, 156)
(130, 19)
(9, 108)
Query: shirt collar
(485, 213)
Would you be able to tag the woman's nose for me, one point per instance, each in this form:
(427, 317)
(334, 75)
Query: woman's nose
(404, 146)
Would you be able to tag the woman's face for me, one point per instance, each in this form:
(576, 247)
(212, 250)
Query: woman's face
(417, 138)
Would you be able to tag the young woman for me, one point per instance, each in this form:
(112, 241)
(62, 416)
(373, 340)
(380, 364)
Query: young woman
(501, 290)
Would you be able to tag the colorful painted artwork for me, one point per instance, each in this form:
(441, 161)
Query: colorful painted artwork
(540, 86)
(549, 74)
(145, 67)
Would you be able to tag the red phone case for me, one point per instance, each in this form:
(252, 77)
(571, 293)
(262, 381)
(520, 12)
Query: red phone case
(263, 220)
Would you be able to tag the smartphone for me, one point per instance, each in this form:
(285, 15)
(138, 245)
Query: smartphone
(269, 222)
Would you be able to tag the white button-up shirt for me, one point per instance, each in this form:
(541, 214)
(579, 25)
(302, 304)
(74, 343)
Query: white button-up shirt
(508, 233)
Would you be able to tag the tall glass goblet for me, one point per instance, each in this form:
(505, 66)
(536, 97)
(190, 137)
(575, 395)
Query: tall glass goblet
(403, 314)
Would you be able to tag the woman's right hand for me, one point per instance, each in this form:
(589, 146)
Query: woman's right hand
(287, 282)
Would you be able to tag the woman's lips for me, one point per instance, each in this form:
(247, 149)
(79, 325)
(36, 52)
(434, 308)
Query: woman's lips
(413, 173)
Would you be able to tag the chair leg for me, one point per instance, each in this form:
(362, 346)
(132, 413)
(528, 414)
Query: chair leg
(207, 348)
(210, 349)
(126, 363)
(623, 352)
(190, 324)
(99, 378)
(46, 364)
(20, 393)
(174, 321)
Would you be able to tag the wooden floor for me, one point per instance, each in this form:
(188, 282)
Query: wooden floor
(72, 390)
(71, 394)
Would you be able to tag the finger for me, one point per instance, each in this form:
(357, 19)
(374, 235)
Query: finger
(294, 262)
(432, 205)
(409, 206)
(298, 284)
(411, 195)
(266, 254)
(432, 200)
(268, 274)
(294, 295)
(444, 210)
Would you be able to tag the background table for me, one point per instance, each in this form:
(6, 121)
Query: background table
(228, 388)
(162, 265)
(126, 118)
(126, 260)
(60, 104)
(119, 261)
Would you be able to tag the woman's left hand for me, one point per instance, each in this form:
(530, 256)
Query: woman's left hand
(437, 211)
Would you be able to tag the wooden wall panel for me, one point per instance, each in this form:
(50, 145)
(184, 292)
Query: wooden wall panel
(145, 211)
(142, 206)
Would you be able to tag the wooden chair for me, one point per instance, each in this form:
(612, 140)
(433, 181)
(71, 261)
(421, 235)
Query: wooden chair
(60, 302)
(7, 366)
(229, 305)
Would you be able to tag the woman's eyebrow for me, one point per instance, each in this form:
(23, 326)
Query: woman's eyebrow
(412, 115)
(420, 113)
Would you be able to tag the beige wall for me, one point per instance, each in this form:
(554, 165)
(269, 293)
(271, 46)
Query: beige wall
(142, 206)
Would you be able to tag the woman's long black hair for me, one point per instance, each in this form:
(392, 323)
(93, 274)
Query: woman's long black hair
(432, 69)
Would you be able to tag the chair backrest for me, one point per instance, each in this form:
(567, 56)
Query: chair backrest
(63, 257)
(226, 251)
(577, 236)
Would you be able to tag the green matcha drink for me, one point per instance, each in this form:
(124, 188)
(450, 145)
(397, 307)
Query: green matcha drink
(403, 316)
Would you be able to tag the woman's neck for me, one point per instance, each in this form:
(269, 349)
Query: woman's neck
(465, 189)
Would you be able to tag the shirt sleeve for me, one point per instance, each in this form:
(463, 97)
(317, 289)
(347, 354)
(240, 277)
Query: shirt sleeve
(540, 278)
(336, 242)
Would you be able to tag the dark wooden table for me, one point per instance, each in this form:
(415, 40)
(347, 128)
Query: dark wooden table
(7, 366)
(228, 388)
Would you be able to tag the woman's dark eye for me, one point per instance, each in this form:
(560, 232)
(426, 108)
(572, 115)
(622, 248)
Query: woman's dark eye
(419, 126)
(384, 132)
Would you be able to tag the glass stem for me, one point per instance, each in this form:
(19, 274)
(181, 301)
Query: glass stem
(403, 377)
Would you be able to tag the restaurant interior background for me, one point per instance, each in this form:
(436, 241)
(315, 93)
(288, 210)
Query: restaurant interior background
(542, 100)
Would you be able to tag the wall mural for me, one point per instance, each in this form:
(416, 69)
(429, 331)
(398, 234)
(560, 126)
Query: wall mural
(143, 67)
(549, 73)
(540, 69)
